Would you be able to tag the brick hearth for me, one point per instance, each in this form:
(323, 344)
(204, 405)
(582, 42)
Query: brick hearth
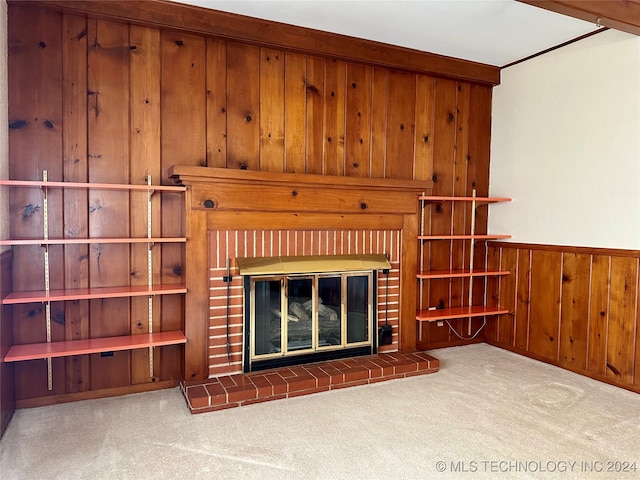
(244, 389)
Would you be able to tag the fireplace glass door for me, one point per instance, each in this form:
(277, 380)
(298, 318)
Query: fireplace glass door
(293, 315)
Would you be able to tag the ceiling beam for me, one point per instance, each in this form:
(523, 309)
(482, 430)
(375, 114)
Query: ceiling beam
(621, 15)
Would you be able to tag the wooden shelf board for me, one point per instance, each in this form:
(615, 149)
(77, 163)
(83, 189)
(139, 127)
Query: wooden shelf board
(69, 241)
(462, 237)
(92, 186)
(89, 293)
(461, 273)
(458, 312)
(431, 198)
(35, 351)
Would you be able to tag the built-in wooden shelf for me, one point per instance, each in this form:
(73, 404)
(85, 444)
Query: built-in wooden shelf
(462, 237)
(35, 351)
(458, 312)
(69, 241)
(462, 273)
(481, 200)
(89, 293)
(92, 186)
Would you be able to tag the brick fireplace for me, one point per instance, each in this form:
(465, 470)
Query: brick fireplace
(227, 314)
(233, 214)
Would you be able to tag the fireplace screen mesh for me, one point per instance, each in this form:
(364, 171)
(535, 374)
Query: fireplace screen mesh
(291, 315)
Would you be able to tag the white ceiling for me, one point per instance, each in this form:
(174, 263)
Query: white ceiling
(495, 32)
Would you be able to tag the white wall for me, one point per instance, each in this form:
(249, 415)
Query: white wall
(4, 125)
(566, 145)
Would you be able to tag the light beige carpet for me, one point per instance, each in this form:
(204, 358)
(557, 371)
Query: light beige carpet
(488, 413)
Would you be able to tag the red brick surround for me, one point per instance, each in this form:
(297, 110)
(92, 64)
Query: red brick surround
(232, 244)
(245, 389)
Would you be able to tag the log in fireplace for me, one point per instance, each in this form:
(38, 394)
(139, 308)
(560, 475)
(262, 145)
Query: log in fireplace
(302, 309)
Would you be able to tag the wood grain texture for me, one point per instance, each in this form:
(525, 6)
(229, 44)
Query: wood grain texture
(599, 314)
(295, 112)
(523, 298)
(76, 268)
(544, 313)
(622, 319)
(334, 116)
(216, 78)
(145, 160)
(358, 121)
(108, 147)
(400, 125)
(315, 86)
(575, 310)
(598, 311)
(243, 107)
(272, 108)
(507, 296)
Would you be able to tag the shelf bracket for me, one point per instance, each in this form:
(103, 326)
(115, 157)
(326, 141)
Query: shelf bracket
(150, 270)
(471, 252)
(47, 285)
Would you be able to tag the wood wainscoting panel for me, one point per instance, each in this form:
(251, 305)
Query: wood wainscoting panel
(574, 329)
(544, 303)
(587, 299)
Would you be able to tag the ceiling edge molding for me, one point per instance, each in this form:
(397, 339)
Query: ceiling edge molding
(240, 28)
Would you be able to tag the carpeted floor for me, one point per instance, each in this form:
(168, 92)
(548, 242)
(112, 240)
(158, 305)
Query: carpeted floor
(488, 413)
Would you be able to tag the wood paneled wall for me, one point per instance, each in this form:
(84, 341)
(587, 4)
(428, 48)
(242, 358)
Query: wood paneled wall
(100, 99)
(578, 308)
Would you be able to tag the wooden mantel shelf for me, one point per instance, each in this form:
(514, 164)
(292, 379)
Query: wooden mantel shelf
(192, 174)
(225, 189)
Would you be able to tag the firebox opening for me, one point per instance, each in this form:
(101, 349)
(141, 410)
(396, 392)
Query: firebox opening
(305, 317)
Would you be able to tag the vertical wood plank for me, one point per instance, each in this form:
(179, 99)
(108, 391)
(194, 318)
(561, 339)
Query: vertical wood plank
(545, 303)
(523, 296)
(74, 119)
(243, 103)
(145, 160)
(216, 79)
(575, 310)
(477, 157)
(295, 104)
(492, 286)
(196, 365)
(379, 102)
(108, 147)
(35, 136)
(183, 97)
(358, 121)
(400, 125)
(408, 285)
(598, 314)
(423, 157)
(271, 110)
(461, 212)
(315, 114)
(334, 117)
(506, 325)
(440, 214)
(622, 319)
